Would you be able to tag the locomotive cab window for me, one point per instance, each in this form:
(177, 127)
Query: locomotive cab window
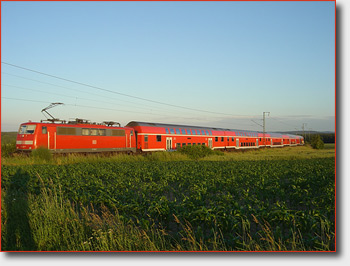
(27, 129)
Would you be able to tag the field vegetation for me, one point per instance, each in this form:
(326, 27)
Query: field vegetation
(268, 199)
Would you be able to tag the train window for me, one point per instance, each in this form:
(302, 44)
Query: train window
(198, 144)
(222, 138)
(172, 131)
(203, 133)
(27, 129)
(203, 144)
(207, 132)
(178, 145)
(194, 132)
(66, 131)
(183, 144)
(177, 131)
(44, 130)
(131, 132)
(94, 132)
(146, 138)
(159, 138)
(167, 131)
(85, 131)
(188, 131)
(118, 132)
(233, 139)
(216, 139)
(189, 144)
(183, 131)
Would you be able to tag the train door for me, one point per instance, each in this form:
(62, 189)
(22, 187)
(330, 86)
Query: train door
(257, 142)
(129, 139)
(169, 143)
(51, 138)
(237, 143)
(210, 143)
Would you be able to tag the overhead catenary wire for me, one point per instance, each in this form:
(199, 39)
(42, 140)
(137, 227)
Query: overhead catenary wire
(287, 124)
(77, 98)
(85, 92)
(77, 105)
(160, 115)
(115, 92)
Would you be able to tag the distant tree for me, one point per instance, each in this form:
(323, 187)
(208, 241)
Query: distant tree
(317, 142)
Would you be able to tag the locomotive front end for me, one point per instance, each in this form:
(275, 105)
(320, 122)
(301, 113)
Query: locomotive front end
(26, 137)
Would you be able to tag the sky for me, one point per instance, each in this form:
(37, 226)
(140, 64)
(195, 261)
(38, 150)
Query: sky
(217, 64)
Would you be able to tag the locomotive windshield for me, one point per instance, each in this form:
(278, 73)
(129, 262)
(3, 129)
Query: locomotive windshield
(27, 129)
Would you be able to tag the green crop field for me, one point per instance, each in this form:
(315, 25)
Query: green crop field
(269, 199)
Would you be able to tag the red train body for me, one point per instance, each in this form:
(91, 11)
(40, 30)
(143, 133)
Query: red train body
(75, 137)
(141, 136)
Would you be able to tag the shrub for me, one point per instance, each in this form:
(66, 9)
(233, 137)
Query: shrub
(7, 149)
(317, 142)
(42, 153)
(198, 151)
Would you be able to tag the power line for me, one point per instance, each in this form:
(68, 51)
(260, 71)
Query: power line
(79, 105)
(73, 97)
(115, 92)
(289, 125)
(99, 95)
(100, 108)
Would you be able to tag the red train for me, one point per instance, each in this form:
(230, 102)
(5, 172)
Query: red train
(82, 136)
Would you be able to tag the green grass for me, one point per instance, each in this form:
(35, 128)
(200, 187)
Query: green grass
(157, 202)
(287, 153)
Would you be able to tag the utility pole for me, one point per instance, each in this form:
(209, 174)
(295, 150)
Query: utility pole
(264, 127)
(304, 124)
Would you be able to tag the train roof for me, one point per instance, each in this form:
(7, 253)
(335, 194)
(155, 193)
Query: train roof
(149, 124)
(162, 125)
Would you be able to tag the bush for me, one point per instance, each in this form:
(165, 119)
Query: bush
(7, 149)
(42, 153)
(198, 151)
(317, 142)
